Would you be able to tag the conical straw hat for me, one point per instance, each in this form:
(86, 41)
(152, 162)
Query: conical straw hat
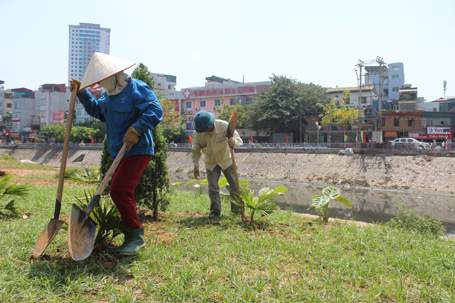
(102, 66)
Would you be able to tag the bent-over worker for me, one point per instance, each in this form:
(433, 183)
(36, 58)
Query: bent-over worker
(210, 139)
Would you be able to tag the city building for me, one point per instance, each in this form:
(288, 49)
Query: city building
(422, 125)
(84, 40)
(217, 93)
(386, 80)
(8, 102)
(52, 103)
(353, 96)
(24, 117)
(428, 106)
(2, 97)
(164, 82)
(445, 104)
(439, 126)
(395, 73)
(408, 98)
(401, 124)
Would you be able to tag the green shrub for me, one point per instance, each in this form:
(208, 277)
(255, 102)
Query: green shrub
(322, 202)
(408, 220)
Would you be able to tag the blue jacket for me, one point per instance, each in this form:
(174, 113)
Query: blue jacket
(136, 106)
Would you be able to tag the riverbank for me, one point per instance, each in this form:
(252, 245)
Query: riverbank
(420, 173)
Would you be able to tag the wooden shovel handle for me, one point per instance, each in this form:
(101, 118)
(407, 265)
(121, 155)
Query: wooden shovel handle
(61, 175)
(107, 177)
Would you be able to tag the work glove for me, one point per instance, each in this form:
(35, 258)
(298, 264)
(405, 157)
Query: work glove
(196, 173)
(231, 142)
(131, 137)
(75, 84)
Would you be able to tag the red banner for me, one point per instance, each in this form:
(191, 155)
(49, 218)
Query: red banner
(58, 117)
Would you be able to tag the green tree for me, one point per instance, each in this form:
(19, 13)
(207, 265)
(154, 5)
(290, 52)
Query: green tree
(7, 120)
(141, 72)
(97, 125)
(339, 116)
(154, 185)
(173, 125)
(243, 114)
(287, 105)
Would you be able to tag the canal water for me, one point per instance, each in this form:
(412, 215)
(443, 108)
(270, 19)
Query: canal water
(369, 205)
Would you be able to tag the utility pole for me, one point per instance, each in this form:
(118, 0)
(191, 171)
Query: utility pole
(360, 65)
(300, 121)
(381, 63)
(445, 88)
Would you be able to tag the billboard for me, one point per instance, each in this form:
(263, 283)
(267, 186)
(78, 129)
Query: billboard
(432, 130)
(58, 117)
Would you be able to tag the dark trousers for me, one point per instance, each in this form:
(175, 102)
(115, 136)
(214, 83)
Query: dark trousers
(214, 190)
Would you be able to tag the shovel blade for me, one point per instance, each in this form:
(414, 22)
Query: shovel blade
(46, 237)
(81, 234)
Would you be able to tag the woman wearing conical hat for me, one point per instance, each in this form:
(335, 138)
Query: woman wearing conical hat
(130, 110)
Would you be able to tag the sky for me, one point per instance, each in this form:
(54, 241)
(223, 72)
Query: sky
(316, 41)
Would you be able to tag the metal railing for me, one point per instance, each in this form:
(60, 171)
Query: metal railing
(322, 148)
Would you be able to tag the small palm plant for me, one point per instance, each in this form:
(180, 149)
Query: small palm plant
(86, 174)
(7, 193)
(321, 202)
(106, 217)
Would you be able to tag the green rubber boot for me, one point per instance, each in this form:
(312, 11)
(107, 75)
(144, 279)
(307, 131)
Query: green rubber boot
(134, 241)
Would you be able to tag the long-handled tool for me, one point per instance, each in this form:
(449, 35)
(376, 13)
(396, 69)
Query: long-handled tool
(55, 223)
(82, 230)
(230, 133)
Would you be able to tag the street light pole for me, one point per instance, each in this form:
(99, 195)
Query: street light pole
(318, 127)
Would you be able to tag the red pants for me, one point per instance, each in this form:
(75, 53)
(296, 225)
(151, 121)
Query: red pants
(123, 186)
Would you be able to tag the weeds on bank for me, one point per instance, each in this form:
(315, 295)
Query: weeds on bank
(410, 221)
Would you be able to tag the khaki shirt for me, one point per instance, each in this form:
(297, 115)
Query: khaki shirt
(214, 146)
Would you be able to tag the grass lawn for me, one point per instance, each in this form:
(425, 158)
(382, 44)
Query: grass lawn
(293, 259)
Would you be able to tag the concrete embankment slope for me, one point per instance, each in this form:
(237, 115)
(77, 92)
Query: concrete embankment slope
(416, 173)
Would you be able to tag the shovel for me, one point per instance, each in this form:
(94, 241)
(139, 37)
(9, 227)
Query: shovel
(230, 133)
(82, 229)
(55, 223)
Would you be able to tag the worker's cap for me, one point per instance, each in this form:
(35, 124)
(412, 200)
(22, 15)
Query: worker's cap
(103, 66)
(203, 121)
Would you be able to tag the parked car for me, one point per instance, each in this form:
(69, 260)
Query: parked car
(410, 143)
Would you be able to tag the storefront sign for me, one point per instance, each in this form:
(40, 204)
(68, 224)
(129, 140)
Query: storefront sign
(431, 130)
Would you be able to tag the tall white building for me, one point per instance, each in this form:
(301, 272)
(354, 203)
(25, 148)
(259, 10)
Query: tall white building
(84, 40)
